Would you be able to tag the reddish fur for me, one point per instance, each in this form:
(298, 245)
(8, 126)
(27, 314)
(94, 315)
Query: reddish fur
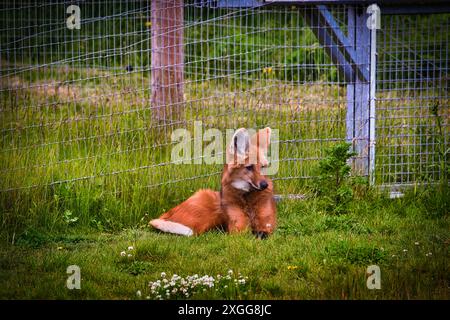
(201, 212)
(253, 209)
(235, 209)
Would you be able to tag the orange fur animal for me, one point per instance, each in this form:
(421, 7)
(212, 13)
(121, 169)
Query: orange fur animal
(244, 202)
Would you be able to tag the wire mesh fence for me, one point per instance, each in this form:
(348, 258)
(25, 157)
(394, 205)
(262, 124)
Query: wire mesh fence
(413, 99)
(79, 113)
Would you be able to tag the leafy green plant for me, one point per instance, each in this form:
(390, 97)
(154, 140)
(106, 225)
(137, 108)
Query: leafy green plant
(360, 254)
(34, 239)
(443, 149)
(432, 149)
(97, 224)
(334, 183)
(345, 224)
(136, 268)
(69, 218)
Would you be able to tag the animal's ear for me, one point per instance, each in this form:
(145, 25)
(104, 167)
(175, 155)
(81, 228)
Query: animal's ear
(261, 139)
(240, 143)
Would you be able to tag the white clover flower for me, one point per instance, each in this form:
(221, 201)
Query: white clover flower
(123, 253)
(130, 248)
(191, 284)
(129, 255)
(138, 293)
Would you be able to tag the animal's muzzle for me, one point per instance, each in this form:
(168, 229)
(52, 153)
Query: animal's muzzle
(263, 185)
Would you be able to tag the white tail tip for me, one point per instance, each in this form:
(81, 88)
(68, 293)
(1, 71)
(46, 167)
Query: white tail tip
(172, 227)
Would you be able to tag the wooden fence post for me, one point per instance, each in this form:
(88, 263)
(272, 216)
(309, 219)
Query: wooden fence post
(167, 60)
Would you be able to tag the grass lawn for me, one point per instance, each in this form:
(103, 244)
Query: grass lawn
(312, 255)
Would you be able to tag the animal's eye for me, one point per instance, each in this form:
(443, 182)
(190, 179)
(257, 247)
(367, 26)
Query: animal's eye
(250, 167)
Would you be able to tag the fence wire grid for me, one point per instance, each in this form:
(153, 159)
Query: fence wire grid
(79, 109)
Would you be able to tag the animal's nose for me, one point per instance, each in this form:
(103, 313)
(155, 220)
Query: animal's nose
(263, 184)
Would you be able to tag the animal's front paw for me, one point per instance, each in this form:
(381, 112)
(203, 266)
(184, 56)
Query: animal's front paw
(261, 234)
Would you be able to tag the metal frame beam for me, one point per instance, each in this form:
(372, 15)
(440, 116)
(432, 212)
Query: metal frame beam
(336, 44)
(358, 92)
(387, 6)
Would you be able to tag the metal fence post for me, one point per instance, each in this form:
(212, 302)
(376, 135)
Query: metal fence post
(373, 77)
(358, 91)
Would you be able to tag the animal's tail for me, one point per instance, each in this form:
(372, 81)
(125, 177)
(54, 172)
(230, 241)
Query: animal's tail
(196, 215)
(172, 227)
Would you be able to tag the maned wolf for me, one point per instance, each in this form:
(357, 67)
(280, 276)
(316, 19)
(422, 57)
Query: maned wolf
(244, 201)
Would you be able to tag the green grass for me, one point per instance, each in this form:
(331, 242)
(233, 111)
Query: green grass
(312, 255)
